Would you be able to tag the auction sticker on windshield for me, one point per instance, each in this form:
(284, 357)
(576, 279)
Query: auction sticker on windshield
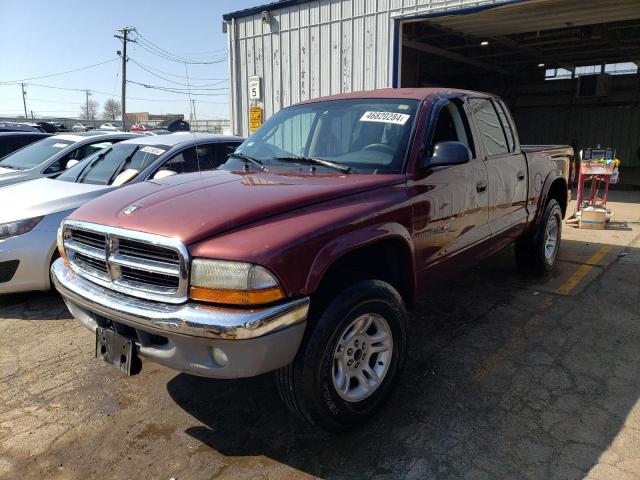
(385, 117)
(152, 150)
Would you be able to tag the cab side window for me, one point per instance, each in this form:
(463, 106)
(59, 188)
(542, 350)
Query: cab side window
(495, 141)
(504, 118)
(79, 153)
(451, 126)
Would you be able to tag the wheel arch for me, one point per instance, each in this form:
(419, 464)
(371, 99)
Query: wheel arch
(385, 253)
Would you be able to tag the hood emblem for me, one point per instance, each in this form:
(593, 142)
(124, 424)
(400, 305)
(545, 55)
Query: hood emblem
(132, 208)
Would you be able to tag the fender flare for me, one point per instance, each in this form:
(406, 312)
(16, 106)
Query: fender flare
(552, 177)
(351, 241)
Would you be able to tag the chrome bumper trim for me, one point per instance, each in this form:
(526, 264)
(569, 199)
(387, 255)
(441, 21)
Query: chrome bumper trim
(190, 319)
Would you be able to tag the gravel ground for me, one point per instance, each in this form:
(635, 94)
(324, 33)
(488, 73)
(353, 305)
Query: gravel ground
(506, 379)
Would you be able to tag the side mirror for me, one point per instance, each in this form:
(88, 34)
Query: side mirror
(448, 153)
(72, 163)
(164, 173)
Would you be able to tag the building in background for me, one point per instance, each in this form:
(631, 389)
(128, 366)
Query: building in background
(143, 117)
(567, 68)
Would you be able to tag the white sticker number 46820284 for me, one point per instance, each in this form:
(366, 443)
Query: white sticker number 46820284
(385, 117)
(152, 150)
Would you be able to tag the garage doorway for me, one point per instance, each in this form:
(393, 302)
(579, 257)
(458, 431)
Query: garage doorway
(567, 68)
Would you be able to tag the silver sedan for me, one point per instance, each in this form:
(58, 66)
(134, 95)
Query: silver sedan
(32, 211)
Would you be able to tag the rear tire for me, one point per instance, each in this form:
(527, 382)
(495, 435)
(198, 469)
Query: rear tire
(537, 252)
(350, 359)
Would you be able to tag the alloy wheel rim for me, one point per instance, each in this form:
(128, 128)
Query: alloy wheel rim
(551, 238)
(362, 356)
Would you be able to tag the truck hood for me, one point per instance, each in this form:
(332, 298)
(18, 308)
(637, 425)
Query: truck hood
(44, 196)
(193, 207)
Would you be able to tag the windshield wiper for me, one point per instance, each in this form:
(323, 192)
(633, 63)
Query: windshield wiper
(315, 161)
(86, 168)
(247, 159)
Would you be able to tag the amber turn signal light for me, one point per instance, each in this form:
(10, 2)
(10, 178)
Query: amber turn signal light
(237, 297)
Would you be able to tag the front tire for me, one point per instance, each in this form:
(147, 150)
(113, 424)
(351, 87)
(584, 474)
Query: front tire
(350, 359)
(537, 252)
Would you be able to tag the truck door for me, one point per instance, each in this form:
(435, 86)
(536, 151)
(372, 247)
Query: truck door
(506, 168)
(450, 202)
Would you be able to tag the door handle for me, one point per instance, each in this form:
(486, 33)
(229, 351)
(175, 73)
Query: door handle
(481, 186)
(521, 175)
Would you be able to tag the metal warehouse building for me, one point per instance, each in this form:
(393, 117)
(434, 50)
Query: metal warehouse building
(567, 68)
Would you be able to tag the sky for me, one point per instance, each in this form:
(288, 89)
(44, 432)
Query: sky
(41, 37)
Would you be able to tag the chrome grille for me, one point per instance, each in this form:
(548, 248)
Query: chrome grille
(138, 264)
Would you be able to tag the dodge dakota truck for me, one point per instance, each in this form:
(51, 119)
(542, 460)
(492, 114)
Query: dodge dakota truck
(302, 254)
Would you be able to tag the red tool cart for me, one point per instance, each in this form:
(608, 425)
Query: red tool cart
(596, 166)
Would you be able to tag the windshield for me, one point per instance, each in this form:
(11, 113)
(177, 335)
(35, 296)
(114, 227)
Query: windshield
(118, 165)
(367, 135)
(34, 154)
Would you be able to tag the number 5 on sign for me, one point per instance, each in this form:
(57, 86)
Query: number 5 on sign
(254, 88)
(255, 118)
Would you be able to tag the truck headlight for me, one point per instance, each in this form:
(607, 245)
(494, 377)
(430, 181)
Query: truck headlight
(60, 243)
(18, 227)
(233, 283)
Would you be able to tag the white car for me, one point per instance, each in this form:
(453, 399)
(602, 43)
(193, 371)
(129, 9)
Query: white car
(79, 127)
(108, 126)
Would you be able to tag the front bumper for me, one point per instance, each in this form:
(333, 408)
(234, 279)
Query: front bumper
(183, 336)
(33, 251)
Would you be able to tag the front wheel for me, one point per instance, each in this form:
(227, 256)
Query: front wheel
(350, 359)
(537, 252)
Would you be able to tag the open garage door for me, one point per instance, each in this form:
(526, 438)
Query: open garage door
(567, 68)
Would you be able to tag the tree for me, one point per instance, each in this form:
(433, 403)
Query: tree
(111, 110)
(89, 110)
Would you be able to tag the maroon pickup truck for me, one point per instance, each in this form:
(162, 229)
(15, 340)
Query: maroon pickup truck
(302, 254)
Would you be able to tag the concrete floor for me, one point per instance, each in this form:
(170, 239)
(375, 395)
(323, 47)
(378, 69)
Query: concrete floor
(508, 377)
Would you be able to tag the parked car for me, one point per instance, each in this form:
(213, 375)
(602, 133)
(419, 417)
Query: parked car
(52, 126)
(302, 254)
(12, 141)
(28, 230)
(174, 125)
(80, 127)
(108, 126)
(140, 127)
(157, 131)
(53, 155)
(18, 127)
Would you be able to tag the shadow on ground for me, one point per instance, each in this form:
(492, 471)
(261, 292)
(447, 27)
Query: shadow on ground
(33, 306)
(501, 382)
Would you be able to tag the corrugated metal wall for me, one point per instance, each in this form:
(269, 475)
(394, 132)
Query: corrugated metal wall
(318, 48)
(584, 126)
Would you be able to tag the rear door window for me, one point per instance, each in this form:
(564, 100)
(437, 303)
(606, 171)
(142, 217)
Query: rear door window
(504, 118)
(494, 139)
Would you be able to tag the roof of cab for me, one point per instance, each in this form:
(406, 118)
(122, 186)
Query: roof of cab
(399, 93)
(173, 139)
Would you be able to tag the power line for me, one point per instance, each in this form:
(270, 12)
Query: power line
(180, 90)
(60, 73)
(114, 96)
(151, 47)
(173, 81)
(175, 75)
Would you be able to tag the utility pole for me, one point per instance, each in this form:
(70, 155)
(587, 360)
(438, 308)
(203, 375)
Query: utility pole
(24, 100)
(193, 103)
(87, 107)
(125, 39)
